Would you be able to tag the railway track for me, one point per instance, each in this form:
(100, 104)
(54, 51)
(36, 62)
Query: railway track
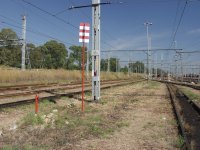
(182, 84)
(23, 95)
(188, 117)
(13, 91)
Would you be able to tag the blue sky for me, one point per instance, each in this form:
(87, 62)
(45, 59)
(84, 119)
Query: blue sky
(122, 24)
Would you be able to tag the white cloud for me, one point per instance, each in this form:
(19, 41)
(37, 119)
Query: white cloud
(195, 31)
(129, 42)
(136, 42)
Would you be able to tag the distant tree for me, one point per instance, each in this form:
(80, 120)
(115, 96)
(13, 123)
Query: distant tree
(124, 69)
(113, 64)
(56, 55)
(30, 46)
(137, 67)
(8, 37)
(75, 57)
(104, 64)
(10, 53)
(38, 57)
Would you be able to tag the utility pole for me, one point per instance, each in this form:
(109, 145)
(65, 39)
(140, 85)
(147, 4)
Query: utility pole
(95, 45)
(181, 59)
(176, 67)
(28, 58)
(161, 67)
(156, 70)
(87, 65)
(108, 67)
(129, 67)
(150, 58)
(148, 54)
(96, 49)
(176, 59)
(23, 42)
(116, 65)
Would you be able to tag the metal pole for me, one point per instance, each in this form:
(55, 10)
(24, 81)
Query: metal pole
(96, 50)
(156, 68)
(176, 69)
(83, 62)
(148, 54)
(181, 67)
(87, 66)
(129, 66)
(150, 58)
(23, 42)
(108, 68)
(199, 75)
(116, 65)
(161, 67)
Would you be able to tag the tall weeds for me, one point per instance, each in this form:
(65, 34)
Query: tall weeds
(16, 76)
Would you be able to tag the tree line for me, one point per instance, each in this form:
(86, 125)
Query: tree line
(52, 55)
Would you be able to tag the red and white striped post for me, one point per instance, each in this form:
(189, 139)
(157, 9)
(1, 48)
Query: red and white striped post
(83, 38)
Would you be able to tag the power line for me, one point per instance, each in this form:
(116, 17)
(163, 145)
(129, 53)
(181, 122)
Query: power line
(88, 17)
(174, 23)
(46, 12)
(58, 18)
(10, 19)
(37, 33)
(174, 36)
(139, 50)
(43, 18)
(197, 51)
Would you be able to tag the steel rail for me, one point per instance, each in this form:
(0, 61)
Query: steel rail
(64, 93)
(178, 118)
(187, 113)
(180, 83)
(48, 89)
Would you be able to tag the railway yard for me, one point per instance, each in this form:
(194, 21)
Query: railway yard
(99, 75)
(136, 114)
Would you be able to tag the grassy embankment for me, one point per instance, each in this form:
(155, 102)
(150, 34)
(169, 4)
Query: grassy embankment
(194, 95)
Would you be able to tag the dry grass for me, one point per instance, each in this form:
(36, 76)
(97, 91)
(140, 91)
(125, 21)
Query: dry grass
(16, 76)
(121, 120)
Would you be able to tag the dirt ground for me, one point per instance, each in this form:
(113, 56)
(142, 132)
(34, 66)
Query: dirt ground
(152, 124)
(137, 116)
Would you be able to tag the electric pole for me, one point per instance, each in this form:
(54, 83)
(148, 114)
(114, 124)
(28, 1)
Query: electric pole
(95, 45)
(87, 65)
(108, 67)
(156, 70)
(161, 67)
(96, 49)
(148, 54)
(23, 42)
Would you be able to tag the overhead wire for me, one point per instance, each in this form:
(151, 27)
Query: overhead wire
(88, 17)
(53, 15)
(58, 18)
(43, 18)
(37, 33)
(175, 19)
(181, 17)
